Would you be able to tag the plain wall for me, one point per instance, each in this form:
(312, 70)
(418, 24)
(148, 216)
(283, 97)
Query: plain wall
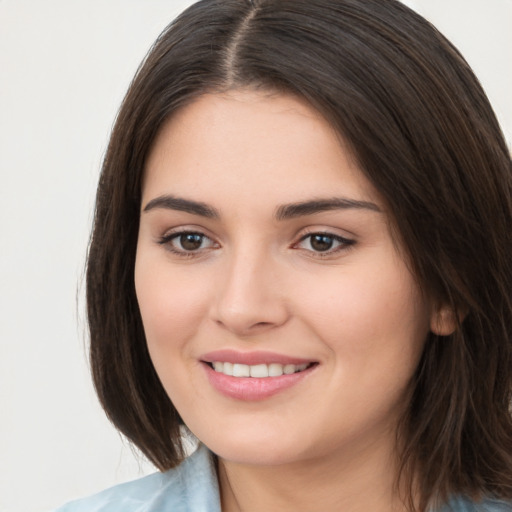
(64, 67)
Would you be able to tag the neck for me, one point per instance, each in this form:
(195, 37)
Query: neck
(351, 482)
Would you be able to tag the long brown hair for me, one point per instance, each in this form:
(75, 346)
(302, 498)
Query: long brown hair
(416, 119)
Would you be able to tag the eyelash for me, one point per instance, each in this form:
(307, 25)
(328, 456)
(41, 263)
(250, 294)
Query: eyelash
(167, 240)
(344, 243)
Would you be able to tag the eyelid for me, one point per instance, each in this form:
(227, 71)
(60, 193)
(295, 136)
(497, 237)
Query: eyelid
(172, 234)
(344, 242)
(180, 229)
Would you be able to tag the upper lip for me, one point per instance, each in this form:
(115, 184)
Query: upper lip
(252, 358)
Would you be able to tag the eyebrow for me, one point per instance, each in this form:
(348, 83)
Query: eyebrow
(184, 205)
(283, 212)
(293, 210)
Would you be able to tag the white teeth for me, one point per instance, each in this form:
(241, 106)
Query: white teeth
(258, 370)
(241, 370)
(228, 368)
(275, 370)
(289, 369)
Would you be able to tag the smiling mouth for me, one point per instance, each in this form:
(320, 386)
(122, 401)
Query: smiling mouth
(258, 371)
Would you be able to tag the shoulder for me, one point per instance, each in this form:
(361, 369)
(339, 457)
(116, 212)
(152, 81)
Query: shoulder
(190, 487)
(463, 504)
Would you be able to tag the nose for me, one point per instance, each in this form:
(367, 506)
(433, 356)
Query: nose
(250, 299)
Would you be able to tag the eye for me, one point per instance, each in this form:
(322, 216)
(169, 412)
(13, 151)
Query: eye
(324, 243)
(187, 242)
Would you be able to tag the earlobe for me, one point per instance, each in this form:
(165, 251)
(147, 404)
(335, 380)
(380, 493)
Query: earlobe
(444, 321)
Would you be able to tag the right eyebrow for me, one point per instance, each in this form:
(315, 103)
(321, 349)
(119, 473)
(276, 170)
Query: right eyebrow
(293, 210)
(170, 202)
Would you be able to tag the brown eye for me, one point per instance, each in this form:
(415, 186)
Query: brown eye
(321, 243)
(326, 243)
(191, 241)
(187, 242)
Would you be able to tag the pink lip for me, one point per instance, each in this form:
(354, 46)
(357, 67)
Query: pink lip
(251, 358)
(251, 388)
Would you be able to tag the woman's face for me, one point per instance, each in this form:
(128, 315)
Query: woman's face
(264, 251)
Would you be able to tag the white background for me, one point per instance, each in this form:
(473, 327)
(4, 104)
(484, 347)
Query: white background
(64, 67)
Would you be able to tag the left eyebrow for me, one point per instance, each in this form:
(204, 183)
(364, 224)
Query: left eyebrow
(185, 205)
(294, 210)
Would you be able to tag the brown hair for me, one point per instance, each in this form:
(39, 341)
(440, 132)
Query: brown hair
(422, 130)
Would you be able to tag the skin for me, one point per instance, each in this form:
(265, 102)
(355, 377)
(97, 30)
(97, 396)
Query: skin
(258, 283)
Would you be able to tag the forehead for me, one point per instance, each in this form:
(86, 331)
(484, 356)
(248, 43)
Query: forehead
(246, 140)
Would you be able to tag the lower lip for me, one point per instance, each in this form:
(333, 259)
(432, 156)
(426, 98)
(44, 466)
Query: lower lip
(252, 388)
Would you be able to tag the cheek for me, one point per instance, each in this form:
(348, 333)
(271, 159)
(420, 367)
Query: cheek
(370, 316)
(172, 304)
(374, 326)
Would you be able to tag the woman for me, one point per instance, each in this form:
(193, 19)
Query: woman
(301, 256)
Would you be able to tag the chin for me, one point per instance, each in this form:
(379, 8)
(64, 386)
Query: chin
(252, 449)
(256, 456)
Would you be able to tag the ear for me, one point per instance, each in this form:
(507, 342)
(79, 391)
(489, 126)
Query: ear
(444, 321)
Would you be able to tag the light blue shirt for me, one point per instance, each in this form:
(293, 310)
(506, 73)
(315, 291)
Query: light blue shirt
(193, 487)
(466, 505)
(190, 487)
